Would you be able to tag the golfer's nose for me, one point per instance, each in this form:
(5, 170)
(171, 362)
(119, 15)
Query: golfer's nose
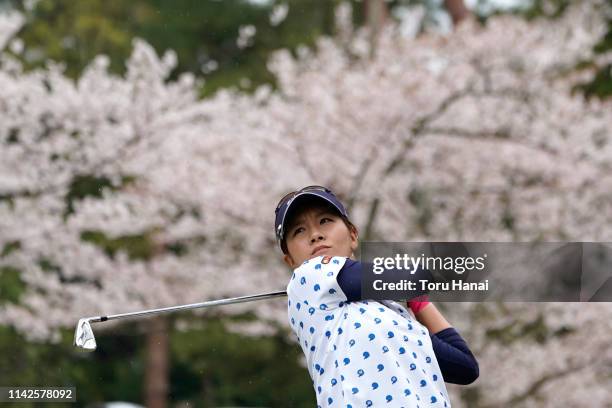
(316, 235)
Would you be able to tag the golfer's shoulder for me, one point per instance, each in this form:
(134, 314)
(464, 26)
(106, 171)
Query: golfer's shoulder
(320, 267)
(316, 279)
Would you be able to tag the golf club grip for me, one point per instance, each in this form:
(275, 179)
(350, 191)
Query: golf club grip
(220, 302)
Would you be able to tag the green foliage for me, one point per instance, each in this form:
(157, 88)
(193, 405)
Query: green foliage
(239, 370)
(605, 44)
(421, 201)
(74, 32)
(90, 186)
(138, 247)
(198, 30)
(10, 247)
(97, 377)
(548, 8)
(601, 86)
(209, 366)
(201, 31)
(11, 285)
(85, 186)
(535, 330)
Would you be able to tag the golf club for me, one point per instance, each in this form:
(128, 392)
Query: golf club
(84, 337)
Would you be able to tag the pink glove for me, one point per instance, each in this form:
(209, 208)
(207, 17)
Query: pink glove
(418, 303)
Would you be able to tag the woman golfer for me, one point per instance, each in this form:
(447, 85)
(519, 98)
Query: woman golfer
(360, 353)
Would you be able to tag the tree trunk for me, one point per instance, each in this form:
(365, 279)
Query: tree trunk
(156, 375)
(376, 14)
(457, 10)
(207, 391)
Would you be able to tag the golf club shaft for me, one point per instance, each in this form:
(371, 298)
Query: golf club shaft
(219, 302)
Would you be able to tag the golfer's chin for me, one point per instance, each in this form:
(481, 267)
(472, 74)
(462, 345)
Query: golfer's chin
(328, 252)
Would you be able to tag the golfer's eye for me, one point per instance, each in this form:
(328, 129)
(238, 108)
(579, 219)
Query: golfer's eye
(325, 219)
(297, 230)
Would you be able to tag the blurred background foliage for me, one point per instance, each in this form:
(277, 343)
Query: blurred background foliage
(208, 366)
(204, 33)
(208, 363)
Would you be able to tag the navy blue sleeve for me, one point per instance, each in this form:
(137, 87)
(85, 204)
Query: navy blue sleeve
(349, 279)
(457, 363)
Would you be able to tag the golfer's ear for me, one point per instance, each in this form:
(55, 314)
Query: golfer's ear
(289, 261)
(354, 238)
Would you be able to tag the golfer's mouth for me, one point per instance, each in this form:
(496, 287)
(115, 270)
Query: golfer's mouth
(320, 248)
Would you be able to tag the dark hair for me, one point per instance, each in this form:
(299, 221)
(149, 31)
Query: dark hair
(303, 206)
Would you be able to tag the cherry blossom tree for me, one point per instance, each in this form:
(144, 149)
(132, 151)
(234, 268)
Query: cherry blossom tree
(475, 137)
(115, 195)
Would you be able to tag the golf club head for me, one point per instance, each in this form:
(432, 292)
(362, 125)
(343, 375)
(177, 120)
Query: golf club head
(83, 336)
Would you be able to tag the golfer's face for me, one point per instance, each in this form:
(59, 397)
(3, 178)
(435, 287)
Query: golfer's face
(318, 231)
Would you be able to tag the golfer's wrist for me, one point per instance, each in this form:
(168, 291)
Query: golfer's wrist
(418, 303)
